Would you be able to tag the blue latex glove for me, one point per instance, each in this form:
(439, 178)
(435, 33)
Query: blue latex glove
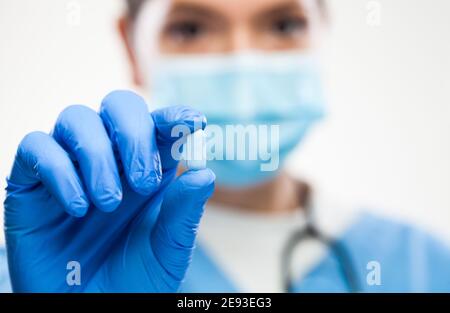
(101, 190)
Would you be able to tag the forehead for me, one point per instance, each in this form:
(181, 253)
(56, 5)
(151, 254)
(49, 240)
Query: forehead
(235, 9)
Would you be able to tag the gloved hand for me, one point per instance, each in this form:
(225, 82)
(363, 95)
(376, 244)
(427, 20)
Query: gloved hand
(101, 191)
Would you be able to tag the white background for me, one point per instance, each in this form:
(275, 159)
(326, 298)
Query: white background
(385, 144)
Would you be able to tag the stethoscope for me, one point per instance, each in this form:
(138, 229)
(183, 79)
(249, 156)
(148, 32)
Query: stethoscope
(310, 231)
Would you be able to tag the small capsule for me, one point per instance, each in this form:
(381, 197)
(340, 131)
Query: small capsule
(194, 151)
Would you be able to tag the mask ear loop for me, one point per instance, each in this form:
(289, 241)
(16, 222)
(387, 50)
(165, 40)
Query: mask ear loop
(145, 35)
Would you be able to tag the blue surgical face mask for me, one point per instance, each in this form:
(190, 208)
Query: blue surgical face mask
(247, 89)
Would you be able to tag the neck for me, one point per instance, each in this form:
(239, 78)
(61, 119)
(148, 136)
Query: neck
(281, 194)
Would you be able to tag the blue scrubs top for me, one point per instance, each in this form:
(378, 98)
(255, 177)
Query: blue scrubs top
(410, 261)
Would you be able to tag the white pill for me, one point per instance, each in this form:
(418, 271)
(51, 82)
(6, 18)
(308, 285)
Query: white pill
(194, 150)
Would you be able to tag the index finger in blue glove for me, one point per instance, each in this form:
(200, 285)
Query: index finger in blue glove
(40, 159)
(132, 132)
(166, 119)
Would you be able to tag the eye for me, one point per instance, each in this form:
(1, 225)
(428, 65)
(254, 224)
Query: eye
(185, 30)
(288, 26)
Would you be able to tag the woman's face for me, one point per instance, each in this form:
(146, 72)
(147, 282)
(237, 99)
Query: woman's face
(226, 26)
(218, 26)
(251, 89)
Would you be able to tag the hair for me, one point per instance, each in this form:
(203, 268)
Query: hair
(135, 5)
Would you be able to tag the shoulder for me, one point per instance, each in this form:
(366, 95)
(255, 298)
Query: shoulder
(405, 259)
(374, 231)
(409, 258)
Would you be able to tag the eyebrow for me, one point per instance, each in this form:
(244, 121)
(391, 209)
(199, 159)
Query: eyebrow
(195, 11)
(282, 8)
(183, 10)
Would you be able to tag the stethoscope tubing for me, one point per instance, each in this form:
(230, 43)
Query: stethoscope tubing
(336, 247)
